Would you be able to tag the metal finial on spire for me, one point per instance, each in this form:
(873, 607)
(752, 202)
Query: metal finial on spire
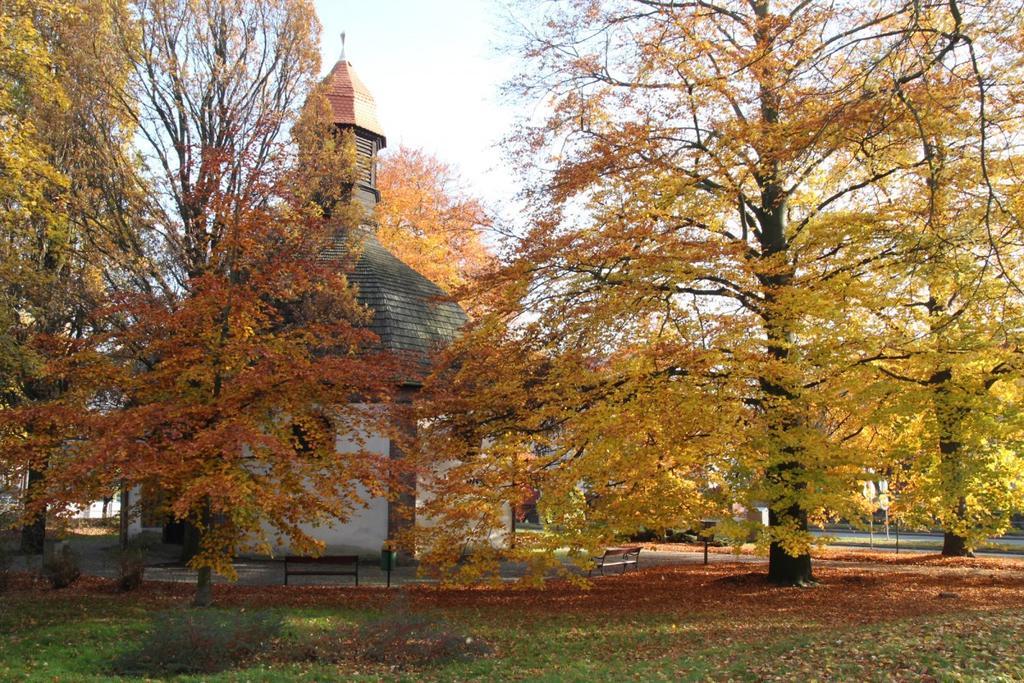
(343, 46)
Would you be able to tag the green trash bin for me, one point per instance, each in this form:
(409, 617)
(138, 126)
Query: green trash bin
(388, 557)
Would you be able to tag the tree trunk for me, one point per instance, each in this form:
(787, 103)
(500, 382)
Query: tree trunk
(953, 544)
(204, 578)
(123, 521)
(783, 568)
(204, 588)
(33, 534)
(776, 279)
(949, 415)
(786, 570)
(786, 477)
(402, 507)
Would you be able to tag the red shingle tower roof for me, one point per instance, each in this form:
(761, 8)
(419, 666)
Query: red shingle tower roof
(350, 99)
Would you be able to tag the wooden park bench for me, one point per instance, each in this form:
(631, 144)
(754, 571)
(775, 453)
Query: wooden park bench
(624, 556)
(325, 565)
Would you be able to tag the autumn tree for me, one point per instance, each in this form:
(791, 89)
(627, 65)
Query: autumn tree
(693, 318)
(28, 178)
(948, 434)
(428, 219)
(951, 420)
(62, 158)
(222, 386)
(324, 173)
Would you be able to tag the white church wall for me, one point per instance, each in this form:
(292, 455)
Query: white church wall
(135, 522)
(99, 510)
(363, 532)
(367, 528)
(498, 537)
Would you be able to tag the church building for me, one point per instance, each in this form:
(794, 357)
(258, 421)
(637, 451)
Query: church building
(411, 316)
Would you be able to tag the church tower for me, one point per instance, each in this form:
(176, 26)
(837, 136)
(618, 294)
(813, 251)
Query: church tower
(353, 107)
(411, 315)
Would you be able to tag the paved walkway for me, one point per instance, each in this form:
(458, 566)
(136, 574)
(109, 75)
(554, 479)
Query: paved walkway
(97, 555)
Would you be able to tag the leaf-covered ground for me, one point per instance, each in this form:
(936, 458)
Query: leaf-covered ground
(909, 556)
(720, 622)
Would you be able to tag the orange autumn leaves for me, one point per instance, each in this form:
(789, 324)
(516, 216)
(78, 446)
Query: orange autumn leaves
(428, 220)
(736, 212)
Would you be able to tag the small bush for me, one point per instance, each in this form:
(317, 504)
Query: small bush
(682, 537)
(7, 544)
(197, 642)
(61, 568)
(131, 564)
(400, 639)
(409, 638)
(6, 559)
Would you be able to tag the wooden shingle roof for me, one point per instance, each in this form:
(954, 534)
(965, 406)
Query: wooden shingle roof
(351, 101)
(411, 314)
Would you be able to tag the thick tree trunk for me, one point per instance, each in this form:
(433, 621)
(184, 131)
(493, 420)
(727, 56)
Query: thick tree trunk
(786, 570)
(204, 588)
(204, 578)
(783, 568)
(949, 416)
(776, 279)
(402, 507)
(124, 520)
(33, 534)
(953, 544)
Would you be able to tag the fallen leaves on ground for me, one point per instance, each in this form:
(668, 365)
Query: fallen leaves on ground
(923, 560)
(842, 596)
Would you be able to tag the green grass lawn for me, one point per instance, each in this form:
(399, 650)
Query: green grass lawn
(76, 636)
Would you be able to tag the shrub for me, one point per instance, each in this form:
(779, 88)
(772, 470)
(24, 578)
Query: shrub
(131, 563)
(61, 568)
(400, 639)
(410, 638)
(6, 559)
(7, 540)
(197, 642)
(673, 536)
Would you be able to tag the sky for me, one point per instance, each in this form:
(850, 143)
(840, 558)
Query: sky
(435, 70)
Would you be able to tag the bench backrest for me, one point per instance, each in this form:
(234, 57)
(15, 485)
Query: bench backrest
(323, 559)
(622, 552)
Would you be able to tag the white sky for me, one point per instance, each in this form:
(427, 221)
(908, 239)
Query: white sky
(433, 67)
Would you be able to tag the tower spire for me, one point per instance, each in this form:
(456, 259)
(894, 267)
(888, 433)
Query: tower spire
(353, 108)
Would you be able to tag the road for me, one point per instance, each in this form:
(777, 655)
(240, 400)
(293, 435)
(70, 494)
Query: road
(912, 537)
